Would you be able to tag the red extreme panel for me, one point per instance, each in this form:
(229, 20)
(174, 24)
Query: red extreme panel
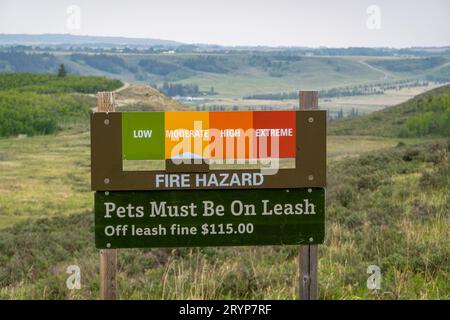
(281, 124)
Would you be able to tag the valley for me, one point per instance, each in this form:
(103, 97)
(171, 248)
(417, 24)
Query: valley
(387, 204)
(220, 78)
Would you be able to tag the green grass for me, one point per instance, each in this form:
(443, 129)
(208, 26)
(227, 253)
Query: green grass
(44, 176)
(391, 208)
(351, 147)
(385, 206)
(42, 103)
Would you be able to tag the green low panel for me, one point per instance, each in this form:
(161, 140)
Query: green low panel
(143, 136)
(199, 218)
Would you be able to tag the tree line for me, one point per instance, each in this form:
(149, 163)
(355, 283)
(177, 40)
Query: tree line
(409, 65)
(18, 61)
(183, 90)
(348, 91)
(108, 63)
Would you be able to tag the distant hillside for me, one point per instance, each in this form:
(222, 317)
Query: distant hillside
(408, 65)
(425, 114)
(55, 39)
(231, 73)
(70, 39)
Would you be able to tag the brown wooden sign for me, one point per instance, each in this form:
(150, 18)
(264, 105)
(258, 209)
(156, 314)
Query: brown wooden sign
(118, 139)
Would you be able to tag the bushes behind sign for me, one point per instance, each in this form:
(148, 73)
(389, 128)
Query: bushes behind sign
(41, 103)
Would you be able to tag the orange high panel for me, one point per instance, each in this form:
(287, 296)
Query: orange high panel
(232, 132)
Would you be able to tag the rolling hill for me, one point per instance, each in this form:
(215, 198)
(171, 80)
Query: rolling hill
(34, 104)
(425, 114)
(387, 205)
(233, 74)
(139, 97)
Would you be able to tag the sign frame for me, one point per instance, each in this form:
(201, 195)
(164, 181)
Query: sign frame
(107, 172)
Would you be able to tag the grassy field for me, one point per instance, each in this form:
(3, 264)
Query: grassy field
(46, 176)
(387, 204)
(375, 216)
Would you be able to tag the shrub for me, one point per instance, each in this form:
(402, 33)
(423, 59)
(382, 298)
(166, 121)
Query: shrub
(40, 103)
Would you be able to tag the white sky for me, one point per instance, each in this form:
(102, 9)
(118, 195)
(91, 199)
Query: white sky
(332, 23)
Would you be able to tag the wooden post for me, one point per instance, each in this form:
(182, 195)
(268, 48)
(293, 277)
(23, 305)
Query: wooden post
(308, 254)
(308, 257)
(309, 100)
(108, 257)
(108, 269)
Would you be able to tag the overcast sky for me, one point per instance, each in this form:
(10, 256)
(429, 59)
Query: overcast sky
(332, 23)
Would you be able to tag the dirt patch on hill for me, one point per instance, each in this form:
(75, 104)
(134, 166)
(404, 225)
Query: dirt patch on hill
(139, 97)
